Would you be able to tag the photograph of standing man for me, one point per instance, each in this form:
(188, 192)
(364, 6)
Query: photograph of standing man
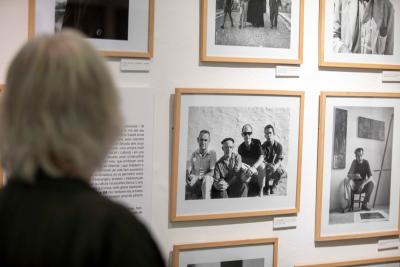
(359, 180)
(252, 161)
(273, 156)
(200, 170)
(227, 176)
(255, 13)
(244, 4)
(363, 27)
(227, 11)
(273, 12)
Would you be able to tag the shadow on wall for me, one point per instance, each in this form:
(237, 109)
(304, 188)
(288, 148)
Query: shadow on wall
(373, 152)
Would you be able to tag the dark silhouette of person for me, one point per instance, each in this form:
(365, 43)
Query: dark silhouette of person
(228, 4)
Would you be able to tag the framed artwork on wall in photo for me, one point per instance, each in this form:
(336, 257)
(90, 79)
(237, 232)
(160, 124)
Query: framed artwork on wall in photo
(251, 252)
(359, 34)
(256, 31)
(361, 199)
(236, 153)
(376, 262)
(119, 28)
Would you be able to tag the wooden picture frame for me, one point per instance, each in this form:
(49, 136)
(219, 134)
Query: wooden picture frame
(2, 88)
(216, 44)
(135, 42)
(260, 251)
(343, 51)
(365, 262)
(338, 217)
(223, 112)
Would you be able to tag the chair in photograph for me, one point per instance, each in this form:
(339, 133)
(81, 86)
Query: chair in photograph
(356, 198)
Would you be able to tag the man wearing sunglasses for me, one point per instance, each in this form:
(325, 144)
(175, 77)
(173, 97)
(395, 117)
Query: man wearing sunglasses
(252, 161)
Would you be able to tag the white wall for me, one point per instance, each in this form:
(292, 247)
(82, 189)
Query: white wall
(176, 64)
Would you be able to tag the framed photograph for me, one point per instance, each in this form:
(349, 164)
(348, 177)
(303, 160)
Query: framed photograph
(359, 34)
(252, 31)
(254, 253)
(377, 262)
(2, 178)
(118, 28)
(358, 152)
(236, 153)
(2, 87)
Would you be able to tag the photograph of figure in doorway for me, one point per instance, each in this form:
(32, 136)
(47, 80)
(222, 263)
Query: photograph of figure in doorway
(237, 152)
(255, 23)
(361, 164)
(100, 19)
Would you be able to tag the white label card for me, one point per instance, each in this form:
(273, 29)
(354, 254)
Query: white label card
(128, 64)
(390, 76)
(287, 71)
(285, 222)
(388, 244)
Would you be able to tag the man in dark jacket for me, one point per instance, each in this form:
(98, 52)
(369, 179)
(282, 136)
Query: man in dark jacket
(273, 12)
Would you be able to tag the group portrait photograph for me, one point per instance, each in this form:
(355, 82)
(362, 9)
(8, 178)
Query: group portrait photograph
(265, 23)
(252, 31)
(246, 167)
(238, 153)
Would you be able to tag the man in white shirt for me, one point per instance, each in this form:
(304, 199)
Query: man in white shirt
(200, 171)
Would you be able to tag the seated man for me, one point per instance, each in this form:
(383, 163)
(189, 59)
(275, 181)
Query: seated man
(252, 161)
(227, 175)
(359, 180)
(273, 156)
(199, 173)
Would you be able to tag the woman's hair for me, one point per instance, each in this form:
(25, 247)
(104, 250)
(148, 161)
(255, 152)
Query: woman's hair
(60, 110)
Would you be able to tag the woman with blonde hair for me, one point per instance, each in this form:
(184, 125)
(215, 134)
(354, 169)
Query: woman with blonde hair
(59, 116)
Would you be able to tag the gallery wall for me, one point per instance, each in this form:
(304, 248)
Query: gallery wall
(176, 65)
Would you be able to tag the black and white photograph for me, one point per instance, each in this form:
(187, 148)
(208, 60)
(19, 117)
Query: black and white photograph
(235, 263)
(260, 23)
(237, 152)
(238, 148)
(235, 253)
(119, 28)
(364, 32)
(374, 262)
(100, 19)
(259, 31)
(358, 196)
(363, 27)
(361, 190)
